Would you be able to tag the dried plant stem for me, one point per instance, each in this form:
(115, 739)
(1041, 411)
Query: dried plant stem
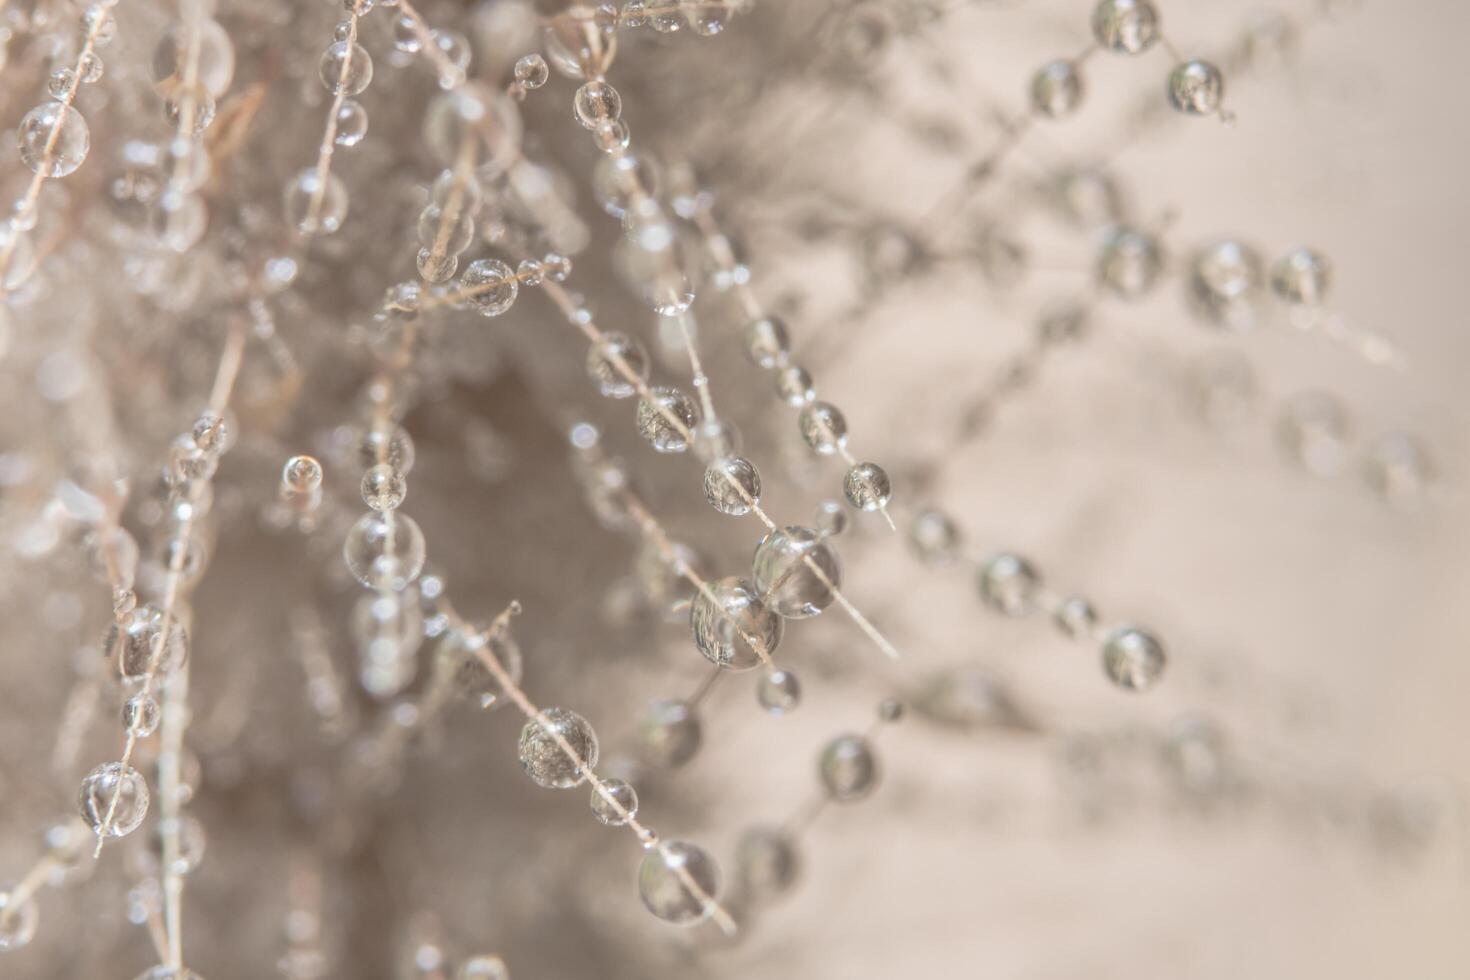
(329, 131)
(646, 835)
(27, 203)
(595, 336)
(224, 383)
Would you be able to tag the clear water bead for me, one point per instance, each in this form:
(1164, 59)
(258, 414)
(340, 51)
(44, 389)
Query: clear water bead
(383, 487)
(935, 537)
(386, 443)
(732, 485)
(352, 123)
(162, 972)
(603, 366)
(1129, 262)
(794, 385)
(784, 580)
(111, 781)
(730, 621)
(190, 837)
(656, 417)
(670, 734)
(214, 64)
(61, 81)
(1056, 88)
(767, 342)
(490, 286)
(778, 691)
(314, 206)
(301, 474)
(830, 518)
(867, 487)
(597, 102)
(1075, 617)
(1301, 277)
(766, 862)
(458, 654)
(603, 809)
(678, 881)
(1196, 87)
(141, 715)
(823, 427)
(483, 968)
(67, 147)
(1009, 584)
(543, 757)
(384, 550)
(346, 68)
(18, 921)
(137, 639)
(848, 768)
(1225, 281)
(1133, 659)
(532, 71)
(1125, 26)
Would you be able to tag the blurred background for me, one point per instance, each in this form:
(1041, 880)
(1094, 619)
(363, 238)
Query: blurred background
(1288, 801)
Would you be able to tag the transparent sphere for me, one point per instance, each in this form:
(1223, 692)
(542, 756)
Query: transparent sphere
(490, 286)
(1399, 469)
(543, 757)
(532, 71)
(406, 37)
(138, 638)
(784, 580)
(384, 550)
(617, 177)
(169, 973)
(390, 444)
(141, 715)
(1196, 87)
(847, 768)
(823, 427)
(867, 487)
(678, 882)
(1075, 617)
(189, 836)
(716, 438)
(670, 734)
(352, 123)
(1132, 659)
(728, 619)
(830, 518)
(1314, 430)
(301, 474)
(197, 103)
(767, 342)
(108, 782)
(656, 417)
(1225, 280)
(1301, 277)
(603, 809)
(53, 139)
(346, 68)
(214, 62)
(483, 968)
(766, 862)
(1125, 26)
(732, 485)
(314, 206)
(1009, 584)
(1129, 262)
(1056, 88)
(579, 42)
(935, 537)
(458, 655)
(18, 922)
(445, 230)
(474, 112)
(383, 487)
(387, 628)
(778, 691)
(794, 385)
(597, 102)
